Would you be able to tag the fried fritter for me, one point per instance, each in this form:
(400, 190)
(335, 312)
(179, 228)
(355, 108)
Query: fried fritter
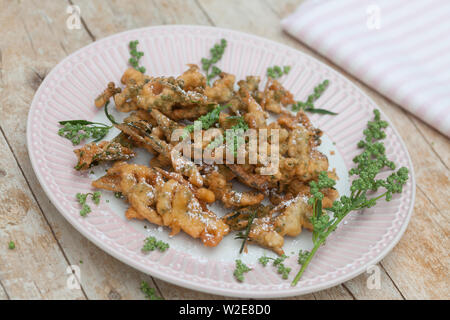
(163, 202)
(93, 153)
(177, 196)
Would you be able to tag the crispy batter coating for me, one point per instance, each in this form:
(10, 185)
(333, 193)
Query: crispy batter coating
(262, 230)
(222, 90)
(222, 190)
(176, 190)
(275, 98)
(163, 201)
(110, 91)
(93, 153)
(193, 79)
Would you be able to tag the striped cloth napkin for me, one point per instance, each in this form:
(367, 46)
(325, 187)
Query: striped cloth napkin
(401, 48)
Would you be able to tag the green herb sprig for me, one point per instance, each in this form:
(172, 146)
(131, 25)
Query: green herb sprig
(151, 244)
(240, 269)
(244, 235)
(277, 262)
(135, 56)
(206, 121)
(109, 116)
(277, 72)
(236, 132)
(78, 130)
(240, 123)
(368, 165)
(149, 292)
(302, 256)
(308, 105)
(82, 199)
(11, 245)
(208, 66)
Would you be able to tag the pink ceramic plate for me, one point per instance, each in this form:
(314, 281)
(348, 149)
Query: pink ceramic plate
(68, 93)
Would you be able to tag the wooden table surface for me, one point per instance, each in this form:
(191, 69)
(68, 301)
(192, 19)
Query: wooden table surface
(35, 38)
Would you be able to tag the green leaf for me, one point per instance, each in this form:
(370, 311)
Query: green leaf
(368, 165)
(320, 111)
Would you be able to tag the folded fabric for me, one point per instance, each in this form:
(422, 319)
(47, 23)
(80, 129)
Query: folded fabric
(401, 48)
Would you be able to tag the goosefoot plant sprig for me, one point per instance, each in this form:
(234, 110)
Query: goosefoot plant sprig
(244, 235)
(308, 105)
(206, 121)
(79, 130)
(277, 262)
(240, 269)
(368, 165)
(82, 198)
(135, 56)
(208, 65)
(149, 292)
(277, 72)
(151, 244)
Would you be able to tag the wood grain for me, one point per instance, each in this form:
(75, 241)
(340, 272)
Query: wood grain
(24, 64)
(36, 268)
(35, 39)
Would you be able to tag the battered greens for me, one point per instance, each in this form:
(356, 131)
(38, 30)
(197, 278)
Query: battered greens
(174, 189)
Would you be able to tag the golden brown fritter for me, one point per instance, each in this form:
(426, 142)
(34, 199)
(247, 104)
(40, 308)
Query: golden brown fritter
(175, 191)
(163, 201)
(93, 153)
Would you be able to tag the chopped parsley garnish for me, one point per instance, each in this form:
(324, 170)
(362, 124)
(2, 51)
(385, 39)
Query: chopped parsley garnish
(208, 66)
(82, 198)
(135, 56)
(308, 105)
(149, 292)
(151, 244)
(277, 262)
(240, 269)
(369, 164)
(11, 245)
(276, 72)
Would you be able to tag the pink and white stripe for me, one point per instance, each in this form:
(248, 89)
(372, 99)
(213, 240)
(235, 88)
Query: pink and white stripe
(407, 59)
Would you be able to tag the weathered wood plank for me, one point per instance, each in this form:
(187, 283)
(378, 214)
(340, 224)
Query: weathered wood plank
(359, 288)
(3, 294)
(36, 268)
(419, 264)
(437, 141)
(35, 40)
(104, 18)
